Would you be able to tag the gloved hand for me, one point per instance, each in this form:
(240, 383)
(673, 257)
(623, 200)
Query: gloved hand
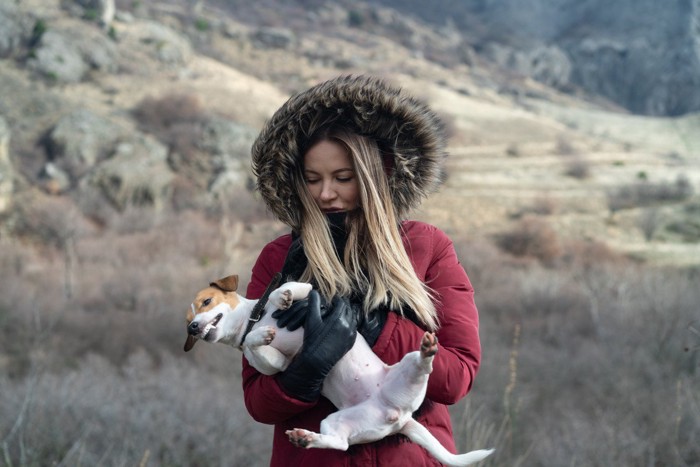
(293, 317)
(370, 327)
(327, 337)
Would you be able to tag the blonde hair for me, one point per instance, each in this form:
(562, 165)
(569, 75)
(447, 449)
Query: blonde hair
(374, 262)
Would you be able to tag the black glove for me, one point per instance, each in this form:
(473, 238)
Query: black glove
(293, 317)
(370, 327)
(327, 337)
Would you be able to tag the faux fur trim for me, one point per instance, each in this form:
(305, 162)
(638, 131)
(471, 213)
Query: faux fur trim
(404, 127)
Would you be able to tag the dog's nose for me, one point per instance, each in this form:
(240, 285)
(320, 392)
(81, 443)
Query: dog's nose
(193, 328)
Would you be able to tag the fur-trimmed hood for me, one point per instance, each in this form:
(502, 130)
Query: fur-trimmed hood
(403, 126)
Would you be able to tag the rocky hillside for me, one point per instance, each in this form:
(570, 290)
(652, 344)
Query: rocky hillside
(643, 55)
(112, 105)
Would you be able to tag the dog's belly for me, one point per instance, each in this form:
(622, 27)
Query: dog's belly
(356, 377)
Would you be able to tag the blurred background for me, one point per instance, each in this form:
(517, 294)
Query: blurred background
(572, 198)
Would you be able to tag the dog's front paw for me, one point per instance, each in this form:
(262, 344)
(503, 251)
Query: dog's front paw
(428, 345)
(300, 438)
(282, 299)
(263, 335)
(269, 335)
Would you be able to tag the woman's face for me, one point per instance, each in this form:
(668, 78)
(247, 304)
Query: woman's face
(330, 177)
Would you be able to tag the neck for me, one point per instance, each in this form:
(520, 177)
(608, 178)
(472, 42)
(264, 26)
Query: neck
(338, 227)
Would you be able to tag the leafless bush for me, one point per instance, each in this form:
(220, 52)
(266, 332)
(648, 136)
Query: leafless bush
(513, 150)
(649, 222)
(531, 237)
(541, 206)
(176, 120)
(645, 193)
(564, 147)
(578, 168)
(577, 392)
(158, 115)
(589, 358)
(142, 413)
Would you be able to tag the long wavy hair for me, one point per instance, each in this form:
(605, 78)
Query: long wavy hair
(375, 263)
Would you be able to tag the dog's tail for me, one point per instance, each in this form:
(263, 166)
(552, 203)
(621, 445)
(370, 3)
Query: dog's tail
(421, 436)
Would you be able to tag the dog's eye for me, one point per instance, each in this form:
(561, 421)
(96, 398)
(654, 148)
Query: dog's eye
(206, 302)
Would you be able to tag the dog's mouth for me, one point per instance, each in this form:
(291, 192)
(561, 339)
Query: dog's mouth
(211, 326)
(206, 332)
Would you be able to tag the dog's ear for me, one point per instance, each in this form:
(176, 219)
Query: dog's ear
(227, 284)
(189, 343)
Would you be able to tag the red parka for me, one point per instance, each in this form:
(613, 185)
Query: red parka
(454, 368)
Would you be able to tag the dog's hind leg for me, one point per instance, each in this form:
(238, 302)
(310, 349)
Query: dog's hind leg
(308, 439)
(406, 381)
(421, 436)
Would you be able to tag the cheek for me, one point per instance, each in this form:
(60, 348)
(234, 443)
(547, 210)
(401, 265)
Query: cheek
(314, 191)
(352, 194)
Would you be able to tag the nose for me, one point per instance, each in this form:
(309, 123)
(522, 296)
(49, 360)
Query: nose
(327, 192)
(193, 328)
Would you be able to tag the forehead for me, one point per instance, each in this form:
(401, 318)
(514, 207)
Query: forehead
(327, 156)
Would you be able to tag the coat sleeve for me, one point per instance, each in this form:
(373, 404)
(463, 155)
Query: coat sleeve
(459, 353)
(264, 398)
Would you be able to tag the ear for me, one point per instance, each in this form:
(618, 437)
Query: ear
(189, 343)
(227, 284)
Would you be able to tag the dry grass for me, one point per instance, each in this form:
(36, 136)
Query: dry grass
(584, 359)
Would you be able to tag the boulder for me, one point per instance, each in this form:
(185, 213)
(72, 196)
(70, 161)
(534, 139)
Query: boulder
(102, 10)
(80, 140)
(66, 55)
(164, 44)
(137, 174)
(13, 29)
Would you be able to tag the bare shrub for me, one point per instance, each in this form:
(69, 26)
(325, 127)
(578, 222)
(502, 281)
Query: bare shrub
(645, 193)
(159, 115)
(177, 120)
(578, 168)
(575, 391)
(649, 222)
(564, 147)
(140, 414)
(50, 220)
(531, 237)
(85, 383)
(513, 150)
(541, 206)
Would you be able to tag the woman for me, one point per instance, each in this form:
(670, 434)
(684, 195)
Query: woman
(342, 164)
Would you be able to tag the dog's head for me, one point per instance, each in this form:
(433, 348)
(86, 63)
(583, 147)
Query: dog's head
(211, 305)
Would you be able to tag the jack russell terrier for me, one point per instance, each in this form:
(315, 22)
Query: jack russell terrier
(374, 399)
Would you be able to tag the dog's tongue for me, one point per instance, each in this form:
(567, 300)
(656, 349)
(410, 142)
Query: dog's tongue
(189, 343)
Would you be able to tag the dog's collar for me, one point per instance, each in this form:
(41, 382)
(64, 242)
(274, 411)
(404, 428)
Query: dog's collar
(259, 308)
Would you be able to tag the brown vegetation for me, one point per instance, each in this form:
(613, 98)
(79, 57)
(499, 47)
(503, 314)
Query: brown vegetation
(583, 358)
